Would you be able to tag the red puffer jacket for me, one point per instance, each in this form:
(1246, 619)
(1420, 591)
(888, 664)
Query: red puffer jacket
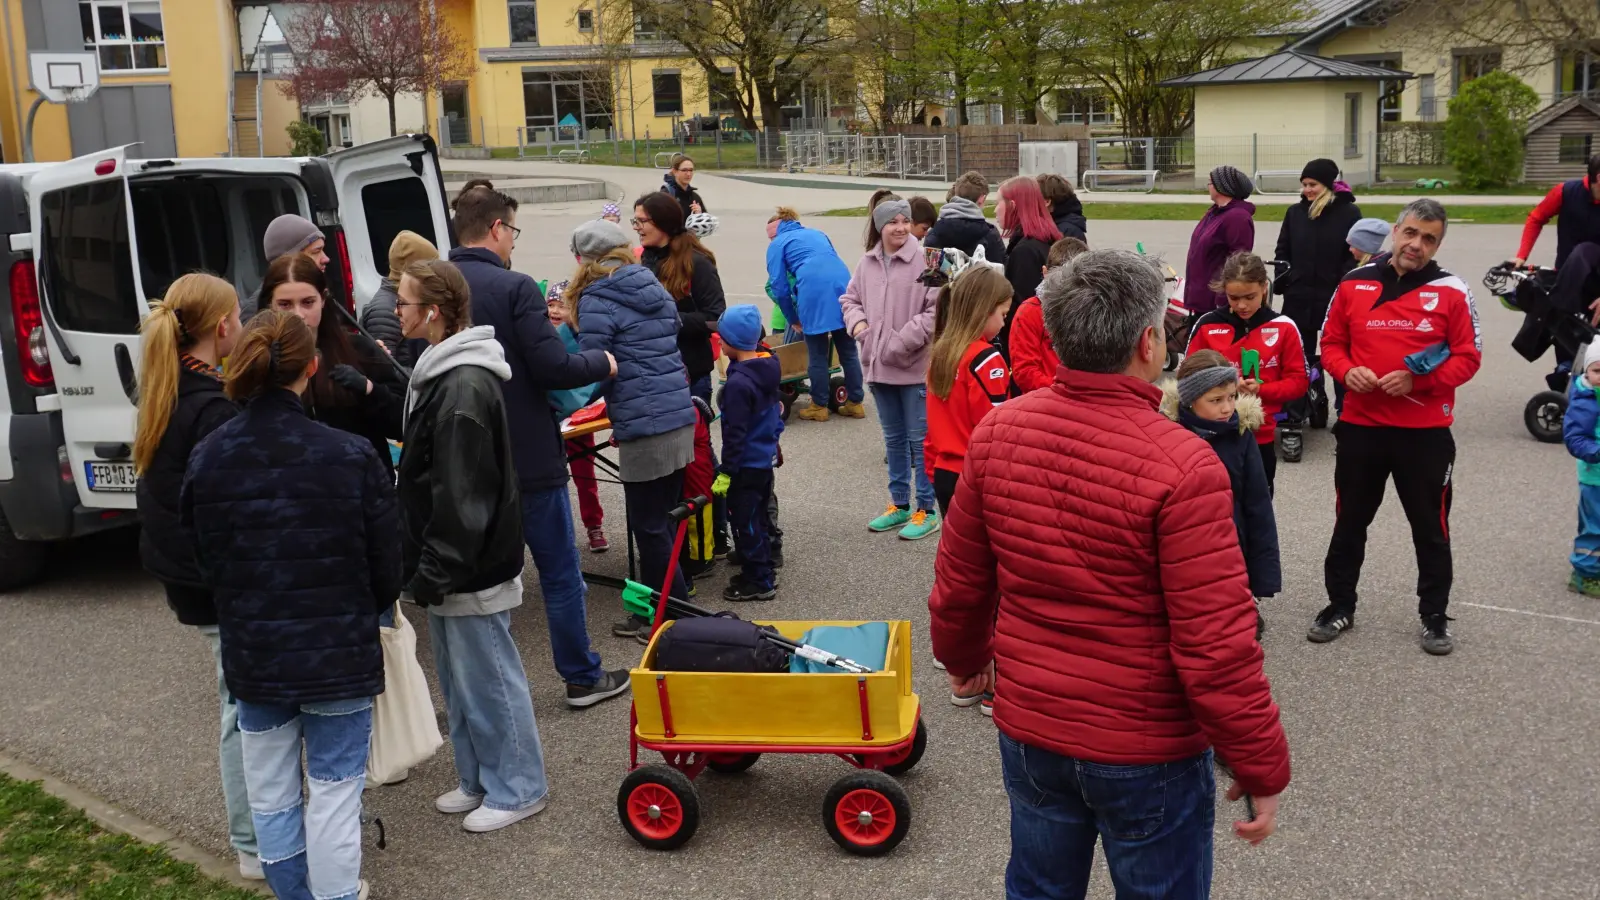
(1090, 551)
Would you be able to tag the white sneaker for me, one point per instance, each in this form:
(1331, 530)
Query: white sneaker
(938, 665)
(964, 702)
(485, 819)
(364, 890)
(457, 801)
(250, 867)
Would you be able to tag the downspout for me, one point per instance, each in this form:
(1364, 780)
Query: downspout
(11, 66)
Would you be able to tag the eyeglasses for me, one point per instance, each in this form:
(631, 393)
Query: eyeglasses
(516, 232)
(638, 221)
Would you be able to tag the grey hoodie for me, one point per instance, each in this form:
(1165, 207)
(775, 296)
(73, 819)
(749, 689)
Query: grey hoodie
(961, 226)
(961, 208)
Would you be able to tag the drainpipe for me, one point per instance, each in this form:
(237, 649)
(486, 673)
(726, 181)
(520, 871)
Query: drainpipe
(11, 65)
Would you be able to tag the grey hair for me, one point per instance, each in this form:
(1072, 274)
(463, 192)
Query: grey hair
(1097, 305)
(1425, 210)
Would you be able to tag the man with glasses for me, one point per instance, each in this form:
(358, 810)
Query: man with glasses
(512, 304)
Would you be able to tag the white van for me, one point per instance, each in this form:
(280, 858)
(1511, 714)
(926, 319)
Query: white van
(86, 242)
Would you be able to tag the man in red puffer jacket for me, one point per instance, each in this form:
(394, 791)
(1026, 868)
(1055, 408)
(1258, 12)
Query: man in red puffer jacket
(1091, 565)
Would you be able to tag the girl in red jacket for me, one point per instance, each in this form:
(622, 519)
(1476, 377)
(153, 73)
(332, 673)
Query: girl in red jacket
(1033, 360)
(1264, 344)
(967, 375)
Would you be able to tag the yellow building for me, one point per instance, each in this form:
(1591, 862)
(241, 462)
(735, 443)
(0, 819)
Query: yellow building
(541, 67)
(166, 76)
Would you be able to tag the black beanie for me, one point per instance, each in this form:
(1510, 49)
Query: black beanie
(1323, 171)
(1231, 182)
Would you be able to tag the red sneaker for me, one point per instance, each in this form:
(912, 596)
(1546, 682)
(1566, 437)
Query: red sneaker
(597, 541)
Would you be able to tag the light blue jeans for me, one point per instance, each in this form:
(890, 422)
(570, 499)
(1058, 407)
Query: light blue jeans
(312, 853)
(492, 729)
(903, 416)
(230, 758)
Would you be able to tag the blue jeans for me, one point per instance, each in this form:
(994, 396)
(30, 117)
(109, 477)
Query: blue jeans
(492, 729)
(312, 853)
(1586, 546)
(230, 758)
(547, 530)
(849, 360)
(1155, 821)
(903, 415)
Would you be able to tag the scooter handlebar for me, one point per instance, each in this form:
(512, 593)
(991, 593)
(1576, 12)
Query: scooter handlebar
(688, 508)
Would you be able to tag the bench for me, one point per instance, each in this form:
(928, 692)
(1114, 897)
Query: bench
(1277, 173)
(572, 156)
(1149, 175)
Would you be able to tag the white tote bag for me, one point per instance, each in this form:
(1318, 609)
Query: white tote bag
(405, 731)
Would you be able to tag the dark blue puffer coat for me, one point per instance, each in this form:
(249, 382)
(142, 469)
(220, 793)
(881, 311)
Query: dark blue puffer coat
(298, 536)
(630, 314)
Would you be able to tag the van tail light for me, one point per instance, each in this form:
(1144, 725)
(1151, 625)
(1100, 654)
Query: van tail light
(343, 249)
(28, 316)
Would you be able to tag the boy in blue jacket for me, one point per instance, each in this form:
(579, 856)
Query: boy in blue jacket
(751, 423)
(1581, 430)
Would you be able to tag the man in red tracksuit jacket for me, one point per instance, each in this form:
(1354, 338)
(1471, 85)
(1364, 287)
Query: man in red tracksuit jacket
(1396, 423)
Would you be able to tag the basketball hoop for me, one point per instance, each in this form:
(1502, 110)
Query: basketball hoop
(71, 77)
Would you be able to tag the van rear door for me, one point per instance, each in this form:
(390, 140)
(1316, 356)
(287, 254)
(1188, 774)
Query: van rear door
(92, 305)
(380, 189)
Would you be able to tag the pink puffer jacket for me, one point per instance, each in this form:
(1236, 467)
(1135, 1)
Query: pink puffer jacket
(885, 294)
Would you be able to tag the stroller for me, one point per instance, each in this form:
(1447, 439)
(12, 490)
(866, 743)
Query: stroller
(1527, 290)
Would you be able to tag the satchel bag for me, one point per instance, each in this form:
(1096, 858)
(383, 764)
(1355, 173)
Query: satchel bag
(405, 730)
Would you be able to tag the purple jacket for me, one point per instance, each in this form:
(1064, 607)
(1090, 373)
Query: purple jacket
(885, 294)
(1222, 232)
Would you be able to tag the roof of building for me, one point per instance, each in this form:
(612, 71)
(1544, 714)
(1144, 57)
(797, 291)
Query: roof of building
(1551, 113)
(1287, 66)
(1318, 14)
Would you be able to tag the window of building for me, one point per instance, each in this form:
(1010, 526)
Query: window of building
(647, 28)
(391, 207)
(1579, 74)
(1390, 93)
(1352, 125)
(667, 86)
(524, 21)
(722, 90)
(586, 20)
(578, 101)
(346, 139)
(88, 266)
(1470, 64)
(127, 34)
(1427, 104)
(1575, 148)
(1083, 106)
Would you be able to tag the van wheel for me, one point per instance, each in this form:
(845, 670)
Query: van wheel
(21, 561)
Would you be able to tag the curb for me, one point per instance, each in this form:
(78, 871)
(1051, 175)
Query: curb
(113, 819)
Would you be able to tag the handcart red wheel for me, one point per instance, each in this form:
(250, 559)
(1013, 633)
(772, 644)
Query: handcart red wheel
(658, 806)
(838, 394)
(732, 763)
(867, 813)
(900, 762)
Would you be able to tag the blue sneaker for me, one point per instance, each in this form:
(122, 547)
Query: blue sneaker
(892, 518)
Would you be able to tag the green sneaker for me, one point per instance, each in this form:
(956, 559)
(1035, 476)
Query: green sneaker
(892, 518)
(1589, 587)
(923, 523)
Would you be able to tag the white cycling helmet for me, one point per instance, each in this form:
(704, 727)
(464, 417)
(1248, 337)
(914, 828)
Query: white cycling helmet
(702, 224)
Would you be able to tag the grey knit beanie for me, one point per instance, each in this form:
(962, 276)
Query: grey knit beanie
(596, 238)
(1194, 387)
(1231, 182)
(1368, 235)
(289, 234)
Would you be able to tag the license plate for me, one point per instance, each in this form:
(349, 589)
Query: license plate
(114, 477)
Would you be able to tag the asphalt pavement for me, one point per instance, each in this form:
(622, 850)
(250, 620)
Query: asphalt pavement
(1469, 776)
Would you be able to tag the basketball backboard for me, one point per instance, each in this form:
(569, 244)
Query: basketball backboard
(65, 77)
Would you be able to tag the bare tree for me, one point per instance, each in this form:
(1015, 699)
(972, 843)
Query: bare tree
(1527, 29)
(773, 46)
(361, 48)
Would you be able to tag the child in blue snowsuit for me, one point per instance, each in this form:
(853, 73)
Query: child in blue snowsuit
(751, 424)
(1581, 430)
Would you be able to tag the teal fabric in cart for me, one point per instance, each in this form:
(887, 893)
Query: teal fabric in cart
(867, 643)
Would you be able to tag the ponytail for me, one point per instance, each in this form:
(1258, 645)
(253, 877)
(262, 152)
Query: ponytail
(274, 353)
(193, 307)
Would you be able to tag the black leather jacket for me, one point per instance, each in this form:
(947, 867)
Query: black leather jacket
(460, 510)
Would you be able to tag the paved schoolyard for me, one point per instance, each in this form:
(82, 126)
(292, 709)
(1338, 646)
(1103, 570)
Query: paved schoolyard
(1470, 776)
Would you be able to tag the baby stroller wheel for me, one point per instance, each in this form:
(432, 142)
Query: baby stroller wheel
(1543, 416)
(867, 813)
(658, 806)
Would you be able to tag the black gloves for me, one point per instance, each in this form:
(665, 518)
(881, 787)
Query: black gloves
(350, 378)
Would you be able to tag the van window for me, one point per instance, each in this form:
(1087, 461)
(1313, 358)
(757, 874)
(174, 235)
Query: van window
(392, 207)
(181, 228)
(88, 268)
(261, 206)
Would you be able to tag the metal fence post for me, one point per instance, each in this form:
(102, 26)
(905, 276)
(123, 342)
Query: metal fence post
(1255, 154)
(1373, 169)
(900, 153)
(522, 141)
(957, 137)
(719, 143)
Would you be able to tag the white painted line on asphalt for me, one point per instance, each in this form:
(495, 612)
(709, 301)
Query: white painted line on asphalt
(1525, 612)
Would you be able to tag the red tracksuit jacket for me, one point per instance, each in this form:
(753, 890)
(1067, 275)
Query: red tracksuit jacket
(1273, 336)
(1378, 317)
(1033, 360)
(982, 383)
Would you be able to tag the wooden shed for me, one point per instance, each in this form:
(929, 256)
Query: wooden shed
(1560, 140)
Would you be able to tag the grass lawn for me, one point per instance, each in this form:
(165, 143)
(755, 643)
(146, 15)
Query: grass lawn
(49, 850)
(1191, 212)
